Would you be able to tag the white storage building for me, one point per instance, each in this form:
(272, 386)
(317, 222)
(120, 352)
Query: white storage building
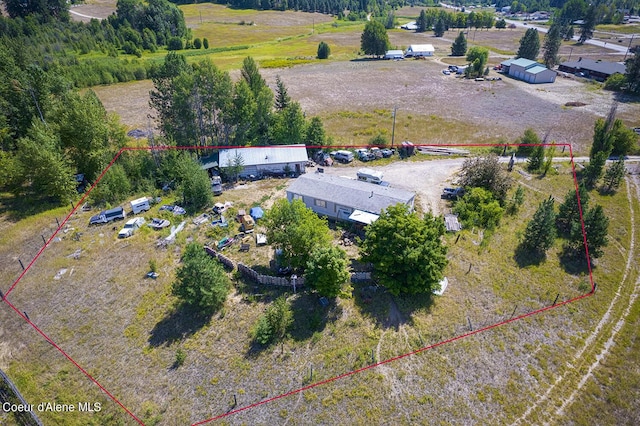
(417, 50)
(262, 160)
(531, 71)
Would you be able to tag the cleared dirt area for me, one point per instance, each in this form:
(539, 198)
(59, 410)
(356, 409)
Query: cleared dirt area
(432, 107)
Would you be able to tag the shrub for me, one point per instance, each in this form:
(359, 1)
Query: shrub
(175, 43)
(323, 50)
(197, 44)
(616, 82)
(180, 357)
(205, 43)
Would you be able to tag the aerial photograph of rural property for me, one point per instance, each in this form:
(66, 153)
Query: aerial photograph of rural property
(335, 212)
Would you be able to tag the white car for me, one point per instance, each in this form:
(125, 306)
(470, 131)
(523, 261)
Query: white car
(446, 72)
(130, 227)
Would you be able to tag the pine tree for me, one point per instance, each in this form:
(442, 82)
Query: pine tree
(529, 45)
(633, 72)
(569, 210)
(551, 46)
(541, 230)
(536, 158)
(588, 25)
(421, 22)
(323, 50)
(459, 46)
(282, 97)
(596, 225)
(614, 175)
(439, 28)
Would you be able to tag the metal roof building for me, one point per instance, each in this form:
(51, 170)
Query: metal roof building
(530, 71)
(264, 159)
(416, 50)
(337, 197)
(598, 70)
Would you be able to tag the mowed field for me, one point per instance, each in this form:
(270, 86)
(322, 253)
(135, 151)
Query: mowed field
(90, 296)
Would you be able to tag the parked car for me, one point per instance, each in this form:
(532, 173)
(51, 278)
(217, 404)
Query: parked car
(453, 68)
(386, 153)
(322, 159)
(446, 72)
(343, 156)
(365, 155)
(130, 227)
(452, 193)
(216, 185)
(108, 216)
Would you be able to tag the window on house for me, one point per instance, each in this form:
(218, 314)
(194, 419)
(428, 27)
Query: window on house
(320, 203)
(297, 197)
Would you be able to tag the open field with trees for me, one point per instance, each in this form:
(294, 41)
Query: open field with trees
(195, 341)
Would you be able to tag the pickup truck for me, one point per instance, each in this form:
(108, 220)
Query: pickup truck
(452, 193)
(130, 227)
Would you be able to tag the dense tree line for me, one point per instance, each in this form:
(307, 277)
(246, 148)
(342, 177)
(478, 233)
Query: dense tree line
(199, 105)
(56, 44)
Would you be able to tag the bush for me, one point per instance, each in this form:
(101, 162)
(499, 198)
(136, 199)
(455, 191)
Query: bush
(323, 50)
(205, 43)
(197, 44)
(616, 82)
(175, 43)
(180, 357)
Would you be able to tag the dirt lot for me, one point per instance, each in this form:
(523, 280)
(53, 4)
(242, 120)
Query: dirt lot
(477, 112)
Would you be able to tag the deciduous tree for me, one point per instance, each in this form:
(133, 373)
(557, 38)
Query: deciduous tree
(326, 270)
(486, 172)
(477, 58)
(201, 281)
(374, 39)
(406, 251)
(194, 184)
(478, 207)
(296, 230)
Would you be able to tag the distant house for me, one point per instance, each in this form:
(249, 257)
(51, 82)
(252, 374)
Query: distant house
(266, 160)
(598, 70)
(394, 54)
(412, 26)
(339, 198)
(528, 70)
(418, 50)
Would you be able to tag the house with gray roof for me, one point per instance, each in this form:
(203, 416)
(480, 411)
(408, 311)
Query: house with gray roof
(338, 198)
(530, 71)
(265, 160)
(598, 70)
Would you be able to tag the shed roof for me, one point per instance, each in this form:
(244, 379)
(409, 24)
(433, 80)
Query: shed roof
(451, 223)
(265, 155)
(349, 193)
(508, 62)
(421, 48)
(363, 217)
(609, 68)
(537, 69)
(524, 63)
(394, 52)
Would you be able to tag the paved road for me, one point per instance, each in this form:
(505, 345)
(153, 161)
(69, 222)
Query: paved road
(520, 24)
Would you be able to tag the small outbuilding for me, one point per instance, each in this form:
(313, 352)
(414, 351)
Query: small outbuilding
(266, 160)
(419, 50)
(394, 54)
(451, 223)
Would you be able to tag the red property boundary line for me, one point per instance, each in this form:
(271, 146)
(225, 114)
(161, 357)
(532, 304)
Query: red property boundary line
(332, 379)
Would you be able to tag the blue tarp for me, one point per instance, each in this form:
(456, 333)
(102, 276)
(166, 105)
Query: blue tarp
(256, 213)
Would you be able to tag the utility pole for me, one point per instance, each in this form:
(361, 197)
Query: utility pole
(628, 47)
(393, 127)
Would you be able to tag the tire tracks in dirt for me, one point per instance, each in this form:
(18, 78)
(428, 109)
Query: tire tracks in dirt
(604, 321)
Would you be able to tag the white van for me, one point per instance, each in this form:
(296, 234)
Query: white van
(370, 175)
(140, 205)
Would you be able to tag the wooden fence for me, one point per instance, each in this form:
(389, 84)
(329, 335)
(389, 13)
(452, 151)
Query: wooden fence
(246, 271)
